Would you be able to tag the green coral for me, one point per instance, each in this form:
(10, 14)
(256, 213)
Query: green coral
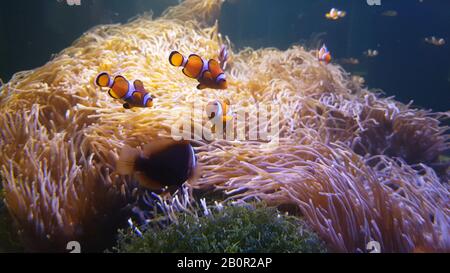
(234, 229)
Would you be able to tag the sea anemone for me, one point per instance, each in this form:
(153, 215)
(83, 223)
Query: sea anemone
(358, 166)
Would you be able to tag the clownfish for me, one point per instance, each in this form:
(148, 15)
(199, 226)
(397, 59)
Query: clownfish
(133, 94)
(323, 55)
(208, 73)
(219, 112)
(335, 14)
(160, 164)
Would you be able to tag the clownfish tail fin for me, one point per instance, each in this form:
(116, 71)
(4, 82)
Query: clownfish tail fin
(127, 160)
(176, 59)
(103, 80)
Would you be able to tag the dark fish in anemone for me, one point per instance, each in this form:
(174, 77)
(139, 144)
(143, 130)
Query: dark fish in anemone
(209, 74)
(160, 164)
(133, 94)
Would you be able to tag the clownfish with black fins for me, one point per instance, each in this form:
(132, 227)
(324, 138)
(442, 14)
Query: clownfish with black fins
(324, 55)
(208, 73)
(163, 163)
(132, 93)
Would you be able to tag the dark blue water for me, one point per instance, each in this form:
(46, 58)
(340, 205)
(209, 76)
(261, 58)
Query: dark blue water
(407, 67)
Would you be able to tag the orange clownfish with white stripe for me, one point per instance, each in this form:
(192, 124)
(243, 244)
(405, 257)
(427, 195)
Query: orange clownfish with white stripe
(219, 112)
(324, 55)
(208, 73)
(132, 93)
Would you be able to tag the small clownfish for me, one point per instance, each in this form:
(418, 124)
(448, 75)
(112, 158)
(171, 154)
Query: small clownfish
(134, 94)
(323, 55)
(208, 73)
(219, 112)
(335, 14)
(161, 163)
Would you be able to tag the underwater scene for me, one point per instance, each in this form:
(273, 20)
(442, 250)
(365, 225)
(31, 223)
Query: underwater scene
(225, 126)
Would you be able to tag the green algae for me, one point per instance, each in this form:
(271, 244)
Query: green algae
(234, 229)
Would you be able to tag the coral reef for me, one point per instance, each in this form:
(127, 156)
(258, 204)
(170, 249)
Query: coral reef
(358, 166)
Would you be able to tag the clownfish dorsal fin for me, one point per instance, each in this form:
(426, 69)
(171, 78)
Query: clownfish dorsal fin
(214, 68)
(139, 86)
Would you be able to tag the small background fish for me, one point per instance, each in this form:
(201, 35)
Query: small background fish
(389, 13)
(435, 41)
